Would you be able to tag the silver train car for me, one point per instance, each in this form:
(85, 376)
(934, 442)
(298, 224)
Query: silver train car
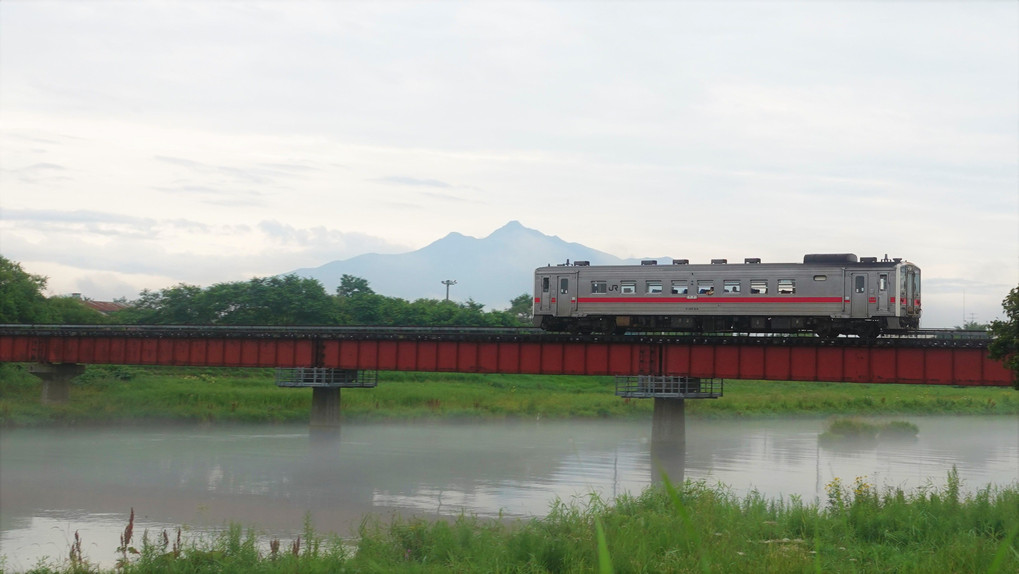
(828, 294)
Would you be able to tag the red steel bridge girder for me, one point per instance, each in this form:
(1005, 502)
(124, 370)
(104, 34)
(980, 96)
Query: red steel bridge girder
(524, 355)
(191, 351)
(932, 365)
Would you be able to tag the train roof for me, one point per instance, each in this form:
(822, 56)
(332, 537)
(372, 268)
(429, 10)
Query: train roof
(827, 259)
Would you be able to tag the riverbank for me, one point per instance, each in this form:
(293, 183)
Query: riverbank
(106, 395)
(684, 528)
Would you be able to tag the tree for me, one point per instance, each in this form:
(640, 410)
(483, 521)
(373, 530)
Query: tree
(22, 301)
(279, 300)
(178, 305)
(286, 300)
(973, 326)
(351, 285)
(293, 300)
(72, 311)
(1005, 346)
(21, 298)
(522, 307)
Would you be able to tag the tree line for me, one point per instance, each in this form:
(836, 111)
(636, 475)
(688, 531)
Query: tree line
(280, 300)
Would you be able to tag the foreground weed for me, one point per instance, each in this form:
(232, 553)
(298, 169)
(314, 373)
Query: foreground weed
(687, 523)
(604, 557)
(125, 542)
(1007, 546)
(668, 527)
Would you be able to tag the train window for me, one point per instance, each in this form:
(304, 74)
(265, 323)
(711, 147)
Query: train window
(820, 277)
(679, 288)
(654, 287)
(731, 285)
(759, 286)
(564, 285)
(786, 286)
(599, 287)
(628, 287)
(882, 282)
(544, 284)
(860, 284)
(705, 287)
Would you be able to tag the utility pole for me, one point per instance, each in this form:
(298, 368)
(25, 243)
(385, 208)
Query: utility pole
(447, 283)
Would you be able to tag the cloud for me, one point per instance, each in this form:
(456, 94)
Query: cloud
(251, 175)
(328, 244)
(216, 196)
(55, 217)
(138, 251)
(39, 173)
(412, 181)
(446, 197)
(932, 285)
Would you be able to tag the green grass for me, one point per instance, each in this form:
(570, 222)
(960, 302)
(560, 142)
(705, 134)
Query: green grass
(841, 430)
(782, 398)
(124, 395)
(667, 528)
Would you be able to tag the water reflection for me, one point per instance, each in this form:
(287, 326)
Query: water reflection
(668, 461)
(53, 482)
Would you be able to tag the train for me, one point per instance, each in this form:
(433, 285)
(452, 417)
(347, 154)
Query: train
(828, 294)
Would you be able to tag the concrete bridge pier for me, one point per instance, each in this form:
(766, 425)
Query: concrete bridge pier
(668, 440)
(325, 414)
(56, 380)
(325, 407)
(325, 387)
(668, 419)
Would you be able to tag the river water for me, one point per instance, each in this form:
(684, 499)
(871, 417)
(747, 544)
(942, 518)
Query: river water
(54, 482)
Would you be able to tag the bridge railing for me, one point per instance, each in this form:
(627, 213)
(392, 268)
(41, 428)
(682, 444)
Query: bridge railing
(327, 378)
(678, 387)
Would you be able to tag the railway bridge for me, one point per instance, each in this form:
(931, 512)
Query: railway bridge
(667, 367)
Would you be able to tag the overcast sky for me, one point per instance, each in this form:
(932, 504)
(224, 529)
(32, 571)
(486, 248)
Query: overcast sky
(144, 144)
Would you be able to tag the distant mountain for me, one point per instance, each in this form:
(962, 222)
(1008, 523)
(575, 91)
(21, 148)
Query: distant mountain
(491, 271)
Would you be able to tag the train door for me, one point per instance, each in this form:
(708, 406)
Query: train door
(544, 296)
(565, 296)
(912, 290)
(882, 293)
(859, 298)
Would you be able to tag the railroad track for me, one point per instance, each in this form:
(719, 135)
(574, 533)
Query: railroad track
(924, 338)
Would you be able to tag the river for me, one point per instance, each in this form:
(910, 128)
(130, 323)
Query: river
(54, 482)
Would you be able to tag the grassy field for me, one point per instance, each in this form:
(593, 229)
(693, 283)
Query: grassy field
(124, 395)
(683, 528)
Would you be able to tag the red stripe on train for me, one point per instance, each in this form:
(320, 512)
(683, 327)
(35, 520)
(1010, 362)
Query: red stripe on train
(709, 299)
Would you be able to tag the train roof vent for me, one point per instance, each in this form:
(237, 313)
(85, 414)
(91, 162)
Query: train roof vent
(649, 262)
(752, 260)
(719, 261)
(680, 261)
(868, 260)
(830, 258)
(582, 263)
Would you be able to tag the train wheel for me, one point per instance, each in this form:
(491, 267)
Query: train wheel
(607, 326)
(827, 332)
(870, 331)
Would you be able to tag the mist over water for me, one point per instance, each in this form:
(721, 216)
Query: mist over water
(56, 481)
